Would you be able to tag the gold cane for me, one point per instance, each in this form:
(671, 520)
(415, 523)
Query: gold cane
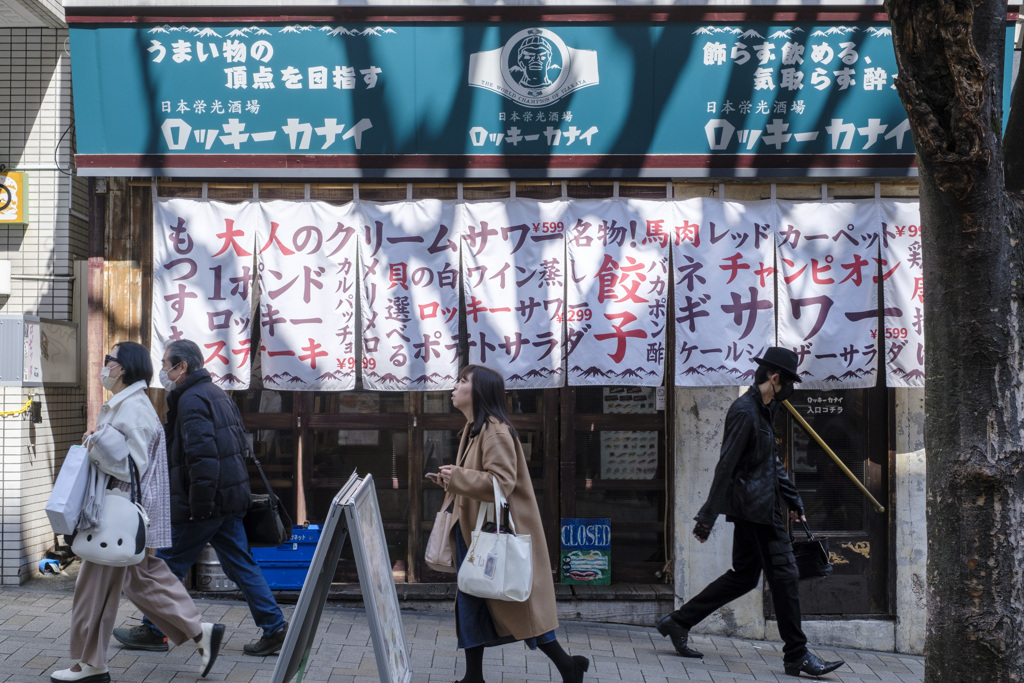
(810, 430)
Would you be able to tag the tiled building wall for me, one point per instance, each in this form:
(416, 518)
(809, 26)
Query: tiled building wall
(37, 137)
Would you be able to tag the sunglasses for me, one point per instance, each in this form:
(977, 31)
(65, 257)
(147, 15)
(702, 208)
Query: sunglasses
(109, 359)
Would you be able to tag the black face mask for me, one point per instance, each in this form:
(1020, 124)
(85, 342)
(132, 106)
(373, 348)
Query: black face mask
(785, 391)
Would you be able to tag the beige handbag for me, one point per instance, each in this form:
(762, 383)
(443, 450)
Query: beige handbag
(439, 549)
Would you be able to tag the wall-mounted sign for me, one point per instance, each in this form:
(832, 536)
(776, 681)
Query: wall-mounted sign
(13, 195)
(458, 99)
(36, 352)
(586, 552)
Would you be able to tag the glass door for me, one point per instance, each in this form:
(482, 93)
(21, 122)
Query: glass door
(854, 424)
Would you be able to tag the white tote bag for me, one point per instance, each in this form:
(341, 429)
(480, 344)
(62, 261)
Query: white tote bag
(65, 503)
(119, 537)
(499, 565)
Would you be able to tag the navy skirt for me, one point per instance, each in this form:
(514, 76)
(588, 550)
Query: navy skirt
(473, 623)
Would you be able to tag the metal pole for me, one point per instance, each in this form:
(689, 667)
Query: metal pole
(810, 430)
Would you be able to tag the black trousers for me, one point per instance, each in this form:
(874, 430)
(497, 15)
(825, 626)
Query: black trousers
(756, 548)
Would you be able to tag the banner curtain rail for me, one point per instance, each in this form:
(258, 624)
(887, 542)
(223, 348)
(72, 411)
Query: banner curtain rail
(416, 185)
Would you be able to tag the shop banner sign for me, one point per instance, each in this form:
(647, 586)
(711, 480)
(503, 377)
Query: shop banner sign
(828, 293)
(617, 291)
(723, 266)
(586, 300)
(202, 283)
(409, 262)
(514, 284)
(586, 552)
(306, 267)
(597, 93)
(903, 282)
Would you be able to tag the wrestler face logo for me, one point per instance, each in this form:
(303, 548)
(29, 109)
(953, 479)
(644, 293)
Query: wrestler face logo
(534, 59)
(534, 68)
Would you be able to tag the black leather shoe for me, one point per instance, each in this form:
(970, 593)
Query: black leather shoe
(812, 665)
(580, 665)
(670, 627)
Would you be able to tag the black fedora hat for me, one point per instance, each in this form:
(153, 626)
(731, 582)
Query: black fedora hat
(781, 358)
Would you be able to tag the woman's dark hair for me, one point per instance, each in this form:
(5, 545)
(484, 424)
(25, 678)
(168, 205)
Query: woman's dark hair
(185, 350)
(488, 398)
(134, 358)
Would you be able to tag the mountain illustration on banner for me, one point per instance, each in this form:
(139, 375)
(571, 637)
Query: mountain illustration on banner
(249, 31)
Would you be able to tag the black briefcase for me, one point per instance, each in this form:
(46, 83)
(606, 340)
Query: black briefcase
(812, 558)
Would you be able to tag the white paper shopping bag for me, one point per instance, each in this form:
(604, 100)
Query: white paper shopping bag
(65, 503)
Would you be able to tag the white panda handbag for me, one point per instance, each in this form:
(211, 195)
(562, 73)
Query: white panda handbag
(119, 537)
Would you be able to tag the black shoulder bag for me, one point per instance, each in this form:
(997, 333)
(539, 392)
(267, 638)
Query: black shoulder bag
(267, 523)
(812, 558)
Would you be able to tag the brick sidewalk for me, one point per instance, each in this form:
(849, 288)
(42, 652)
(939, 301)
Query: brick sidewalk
(34, 642)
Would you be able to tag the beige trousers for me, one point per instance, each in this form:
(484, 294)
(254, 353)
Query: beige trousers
(150, 586)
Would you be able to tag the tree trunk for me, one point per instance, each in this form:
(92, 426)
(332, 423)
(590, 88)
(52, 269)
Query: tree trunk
(950, 59)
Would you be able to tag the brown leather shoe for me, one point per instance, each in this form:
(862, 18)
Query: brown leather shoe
(679, 635)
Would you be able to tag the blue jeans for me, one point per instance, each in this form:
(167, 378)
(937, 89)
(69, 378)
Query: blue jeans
(227, 536)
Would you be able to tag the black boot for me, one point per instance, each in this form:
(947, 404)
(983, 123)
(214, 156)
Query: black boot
(812, 665)
(670, 627)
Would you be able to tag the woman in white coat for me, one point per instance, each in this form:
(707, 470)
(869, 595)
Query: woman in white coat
(150, 585)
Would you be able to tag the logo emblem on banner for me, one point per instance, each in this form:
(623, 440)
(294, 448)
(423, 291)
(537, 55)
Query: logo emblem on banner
(535, 68)
(12, 197)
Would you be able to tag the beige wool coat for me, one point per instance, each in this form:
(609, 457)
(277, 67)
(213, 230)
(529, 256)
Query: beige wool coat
(494, 451)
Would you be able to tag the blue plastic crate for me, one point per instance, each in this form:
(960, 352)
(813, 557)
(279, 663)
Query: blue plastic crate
(298, 550)
(284, 576)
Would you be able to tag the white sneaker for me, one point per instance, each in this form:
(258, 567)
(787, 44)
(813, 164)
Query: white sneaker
(209, 645)
(88, 674)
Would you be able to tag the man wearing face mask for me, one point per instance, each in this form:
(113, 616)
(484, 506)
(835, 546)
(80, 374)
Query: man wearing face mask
(749, 487)
(209, 486)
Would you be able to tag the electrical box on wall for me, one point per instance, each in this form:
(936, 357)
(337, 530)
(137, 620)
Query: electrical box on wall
(13, 198)
(37, 352)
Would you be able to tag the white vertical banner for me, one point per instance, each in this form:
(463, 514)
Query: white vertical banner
(828, 295)
(513, 278)
(724, 277)
(903, 278)
(409, 263)
(617, 291)
(202, 283)
(307, 273)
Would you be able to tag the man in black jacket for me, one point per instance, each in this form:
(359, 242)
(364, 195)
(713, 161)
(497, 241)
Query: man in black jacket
(749, 487)
(206, 451)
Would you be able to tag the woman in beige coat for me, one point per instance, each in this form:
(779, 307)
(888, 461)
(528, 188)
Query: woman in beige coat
(490, 448)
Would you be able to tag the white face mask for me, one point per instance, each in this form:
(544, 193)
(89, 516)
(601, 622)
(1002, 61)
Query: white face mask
(106, 380)
(169, 384)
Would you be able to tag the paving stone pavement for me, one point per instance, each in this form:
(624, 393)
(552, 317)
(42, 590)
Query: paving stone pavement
(34, 621)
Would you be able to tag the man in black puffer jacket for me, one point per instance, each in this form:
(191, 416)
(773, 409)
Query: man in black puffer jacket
(749, 488)
(209, 483)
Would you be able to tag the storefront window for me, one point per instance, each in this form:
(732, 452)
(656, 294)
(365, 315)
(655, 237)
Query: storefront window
(610, 463)
(620, 474)
(259, 400)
